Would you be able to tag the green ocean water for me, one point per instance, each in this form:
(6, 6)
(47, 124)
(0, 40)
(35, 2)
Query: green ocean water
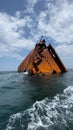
(36, 102)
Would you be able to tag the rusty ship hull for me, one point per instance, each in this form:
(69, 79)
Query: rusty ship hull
(42, 60)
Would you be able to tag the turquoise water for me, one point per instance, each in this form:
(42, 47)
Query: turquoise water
(36, 103)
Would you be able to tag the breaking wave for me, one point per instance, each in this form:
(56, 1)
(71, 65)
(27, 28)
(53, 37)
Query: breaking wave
(48, 114)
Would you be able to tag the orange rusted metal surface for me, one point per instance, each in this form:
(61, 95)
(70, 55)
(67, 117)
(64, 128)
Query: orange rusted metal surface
(42, 60)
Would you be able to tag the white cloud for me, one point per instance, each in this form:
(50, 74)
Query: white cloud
(11, 34)
(57, 22)
(66, 53)
(30, 6)
(31, 3)
(65, 50)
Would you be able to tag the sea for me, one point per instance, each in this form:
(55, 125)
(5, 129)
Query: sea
(30, 102)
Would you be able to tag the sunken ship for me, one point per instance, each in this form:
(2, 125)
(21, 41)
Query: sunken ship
(42, 60)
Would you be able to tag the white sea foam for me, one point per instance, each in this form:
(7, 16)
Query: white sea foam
(46, 114)
(25, 72)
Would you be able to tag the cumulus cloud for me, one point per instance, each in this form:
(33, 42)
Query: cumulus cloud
(11, 34)
(30, 6)
(57, 21)
(65, 50)
(66, 53)
(31, 3)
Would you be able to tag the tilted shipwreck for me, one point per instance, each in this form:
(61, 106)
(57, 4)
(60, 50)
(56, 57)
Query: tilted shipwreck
(42, 60)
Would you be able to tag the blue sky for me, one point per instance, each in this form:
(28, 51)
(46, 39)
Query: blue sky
(23, 22)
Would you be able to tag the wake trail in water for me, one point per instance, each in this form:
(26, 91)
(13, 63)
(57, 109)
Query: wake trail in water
(48, 114)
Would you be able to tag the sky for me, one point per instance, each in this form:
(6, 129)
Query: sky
(23, 22)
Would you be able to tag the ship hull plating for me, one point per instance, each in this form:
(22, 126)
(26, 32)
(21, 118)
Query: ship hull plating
(42, 60)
